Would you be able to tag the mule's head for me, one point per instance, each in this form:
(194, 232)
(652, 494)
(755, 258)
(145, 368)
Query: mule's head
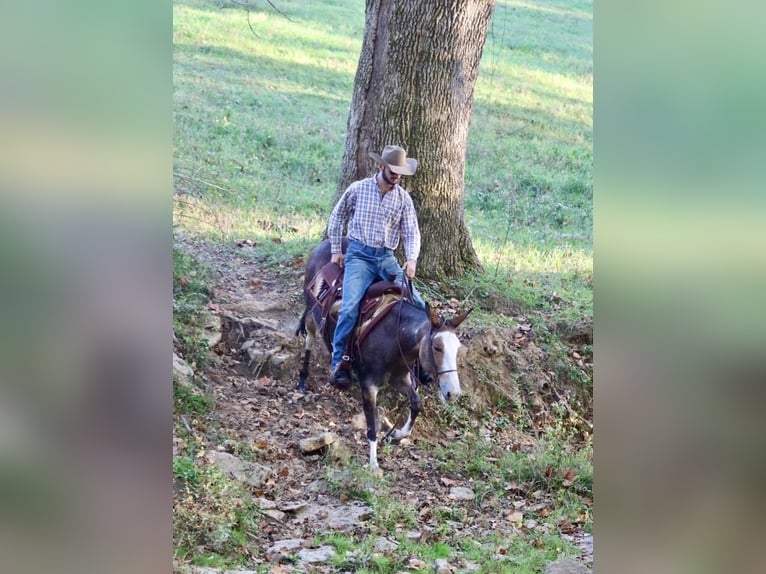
(444, 346)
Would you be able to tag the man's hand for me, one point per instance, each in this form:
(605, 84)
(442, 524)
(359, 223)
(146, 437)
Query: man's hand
(337, 258)
(409, 268)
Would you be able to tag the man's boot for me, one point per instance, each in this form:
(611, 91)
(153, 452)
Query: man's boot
(340, 375)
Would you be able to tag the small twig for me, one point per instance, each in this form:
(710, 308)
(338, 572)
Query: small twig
(280, 11)
(247, 8)
(187, 426)
(195, 179)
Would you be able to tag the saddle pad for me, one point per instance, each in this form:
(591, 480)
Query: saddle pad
(327, 279)
(372, 311)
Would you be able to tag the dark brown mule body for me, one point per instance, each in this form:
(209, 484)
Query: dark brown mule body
(406, 334)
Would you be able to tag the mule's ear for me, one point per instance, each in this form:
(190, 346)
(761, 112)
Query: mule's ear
(455, 321)
(434, 317)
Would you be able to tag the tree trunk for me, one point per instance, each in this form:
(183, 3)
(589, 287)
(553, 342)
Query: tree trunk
(414, 88)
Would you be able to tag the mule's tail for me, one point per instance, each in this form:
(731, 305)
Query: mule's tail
(301, 328)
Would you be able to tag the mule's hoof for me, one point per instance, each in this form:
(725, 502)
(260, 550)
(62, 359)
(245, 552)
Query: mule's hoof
(301, 387)
(377, 472)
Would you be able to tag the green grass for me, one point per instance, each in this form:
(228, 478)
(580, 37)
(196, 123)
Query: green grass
(259, 128)
(213, 516)
(260, 125)
(192, 282)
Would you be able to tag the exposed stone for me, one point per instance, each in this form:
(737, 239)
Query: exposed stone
(461, 493)
(182, 371)
(265, 503)
(413, 535)
(313, 555)
(292, 506)
(384, 545)
(566, 566)
(211, 329)
(249, 472)
(342, 518)
(442, 566)
(284, 546)
(275, 514)
(315, 443)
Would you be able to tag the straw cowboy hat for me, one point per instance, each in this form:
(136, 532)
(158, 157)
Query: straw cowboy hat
(396, 159)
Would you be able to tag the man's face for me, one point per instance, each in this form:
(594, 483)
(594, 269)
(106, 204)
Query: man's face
(390, 176)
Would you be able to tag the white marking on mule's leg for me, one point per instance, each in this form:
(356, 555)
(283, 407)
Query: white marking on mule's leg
(310, 331)
(373, 455)
(403, 432)
(309, 341)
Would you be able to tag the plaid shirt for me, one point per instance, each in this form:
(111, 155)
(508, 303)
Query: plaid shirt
(375, 219)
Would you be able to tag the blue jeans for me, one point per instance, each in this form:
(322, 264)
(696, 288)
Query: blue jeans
(362, 266)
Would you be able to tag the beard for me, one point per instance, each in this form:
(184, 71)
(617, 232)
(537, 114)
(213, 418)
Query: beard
(385, 177)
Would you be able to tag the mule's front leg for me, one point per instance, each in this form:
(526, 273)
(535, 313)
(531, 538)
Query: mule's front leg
(369, 403)
(304, 372)
(406, 387)
(309, 329)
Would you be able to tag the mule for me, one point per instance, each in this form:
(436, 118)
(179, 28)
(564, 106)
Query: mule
(404, 336)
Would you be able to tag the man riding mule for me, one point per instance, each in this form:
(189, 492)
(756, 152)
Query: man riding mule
(402, 335)
(378, 212)
(396, 330)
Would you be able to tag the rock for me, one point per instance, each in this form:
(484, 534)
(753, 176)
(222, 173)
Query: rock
(343, 518)
(211, 329)
(566, 566)
(315, 443)
(413, 535)
(584, 542)
(292, 506)
(248, 472)
(461, 493)
(347, 517)
(275, 514)
(442, 566)
(313, 555)
(284, 546)
(471, 567)
(182, 372)
(384, 545)
(265, 503)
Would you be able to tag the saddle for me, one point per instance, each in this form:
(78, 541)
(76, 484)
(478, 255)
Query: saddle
(326, 288)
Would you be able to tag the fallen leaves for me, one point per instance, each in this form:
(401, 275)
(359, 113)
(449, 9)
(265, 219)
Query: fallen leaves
(516, 517)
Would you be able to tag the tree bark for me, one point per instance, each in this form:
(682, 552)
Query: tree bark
(414, 88)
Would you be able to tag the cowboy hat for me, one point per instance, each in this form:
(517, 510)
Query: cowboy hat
(396, 159)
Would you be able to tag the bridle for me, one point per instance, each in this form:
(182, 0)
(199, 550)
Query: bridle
(407, 296)
(434, 332)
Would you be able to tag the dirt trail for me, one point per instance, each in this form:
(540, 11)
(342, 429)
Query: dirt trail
(259, 417)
